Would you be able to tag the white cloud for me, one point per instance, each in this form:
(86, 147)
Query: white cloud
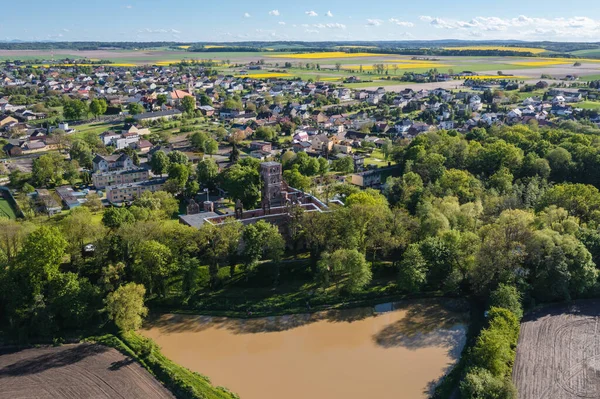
(247, 15)
(158, 31)
(425, 18)
(329, 14)
(374, 22)
(281, 23)
(330, 26)
(65, 30)
(401, 23)
(311, 13)
(274, 13)
(311, 31)
(129, 6)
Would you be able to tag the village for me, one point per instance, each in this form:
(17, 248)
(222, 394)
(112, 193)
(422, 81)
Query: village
(197, 114)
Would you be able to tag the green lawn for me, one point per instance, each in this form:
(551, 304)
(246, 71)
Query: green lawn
(588, 105)
(6, 210)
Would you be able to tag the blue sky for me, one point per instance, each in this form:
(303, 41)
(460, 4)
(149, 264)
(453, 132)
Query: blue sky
(235, 20)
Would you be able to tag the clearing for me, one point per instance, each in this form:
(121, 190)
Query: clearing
(75, 371)
(558, 355)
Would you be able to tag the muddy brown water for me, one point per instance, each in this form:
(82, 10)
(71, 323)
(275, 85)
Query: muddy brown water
(349, 354)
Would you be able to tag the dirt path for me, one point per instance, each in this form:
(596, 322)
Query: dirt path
(75, 372)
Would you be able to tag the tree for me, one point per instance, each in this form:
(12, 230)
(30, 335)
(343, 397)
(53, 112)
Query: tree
(161, 203)
(153, 264)
(135, 108)
(507, 297)
(211, 147)
(81, 152)
(41, 254)
(74, 109)
(98, 107)
(179, 174)
(219, 244)
(207, 172)
(346, 268)
(125, 306)
(242, 183)
(234, 156)
(413, 269)
(93, 202)
(178, 157)
(297, 180)
(78, 230)
(113, 217)
(344, 165)
(189, 104)
(161, 100)
(262, 240)
(48, 169)
(479, 383)
(197, 140)
(159, 163)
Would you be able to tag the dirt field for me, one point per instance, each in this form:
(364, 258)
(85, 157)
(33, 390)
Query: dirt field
(74, 372)
(558, 355)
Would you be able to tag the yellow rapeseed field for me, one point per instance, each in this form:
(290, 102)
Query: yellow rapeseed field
(184, 47)
(355, 47)
(499, 48)
(266, 75)
(215, 46)
(326, 55)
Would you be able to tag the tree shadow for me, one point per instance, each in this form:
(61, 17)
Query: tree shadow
(56, 358)
(425, 324)
(178, 323)
(115, 366)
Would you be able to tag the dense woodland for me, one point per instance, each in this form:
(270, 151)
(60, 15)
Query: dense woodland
(507, 217)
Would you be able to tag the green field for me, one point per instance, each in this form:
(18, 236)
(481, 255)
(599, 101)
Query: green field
(588, 105)
(6, 210)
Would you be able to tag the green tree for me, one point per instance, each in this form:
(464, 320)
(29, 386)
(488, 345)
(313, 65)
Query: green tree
(135, 108)
(98, 107)
(125, 306)
(75, 109)
(189, 104)
(41, 255)
(207, 172)
(243, 183)
(178, 157)
(211, 147)
(219, 244)
(153, 264)
(262, 240)
(161, 100)
(507, 297)
(159, 163)
(113, 217)
(297, 180)
(412, 269)
(48, 169)
(347, 269)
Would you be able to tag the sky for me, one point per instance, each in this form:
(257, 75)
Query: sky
(308, 20)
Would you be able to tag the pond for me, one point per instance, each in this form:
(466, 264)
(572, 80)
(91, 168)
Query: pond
(399, 351)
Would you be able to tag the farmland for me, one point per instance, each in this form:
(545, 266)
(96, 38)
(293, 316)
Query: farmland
(75, 371)
(558, 353)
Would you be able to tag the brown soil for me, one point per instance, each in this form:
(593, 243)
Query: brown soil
(75, 371)
(558, 355)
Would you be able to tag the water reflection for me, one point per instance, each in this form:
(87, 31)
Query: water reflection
(346, 354)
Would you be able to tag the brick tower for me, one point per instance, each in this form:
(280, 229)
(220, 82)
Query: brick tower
(270, 172)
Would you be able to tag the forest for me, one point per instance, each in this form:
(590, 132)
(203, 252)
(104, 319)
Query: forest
(507, 217)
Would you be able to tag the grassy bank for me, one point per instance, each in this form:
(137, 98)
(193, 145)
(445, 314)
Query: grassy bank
(183, 383)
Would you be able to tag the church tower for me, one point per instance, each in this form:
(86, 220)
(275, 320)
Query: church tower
(270, 172)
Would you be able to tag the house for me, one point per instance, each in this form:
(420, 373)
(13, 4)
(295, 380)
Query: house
(47, 202)
(153, 116)
(6, 121)
(112, 162)
(261, 146)
(129, 192)
(119, 177)
(66, 194)
(12, 150)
